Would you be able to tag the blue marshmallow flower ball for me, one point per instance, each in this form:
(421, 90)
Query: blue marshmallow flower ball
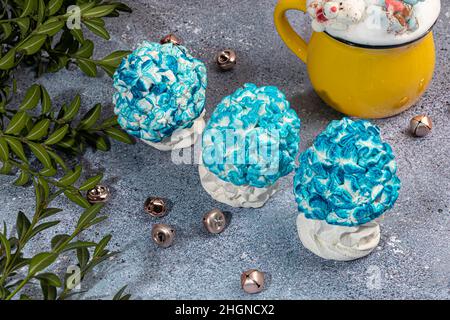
(160, 88)
(348, 177)
(252, 137)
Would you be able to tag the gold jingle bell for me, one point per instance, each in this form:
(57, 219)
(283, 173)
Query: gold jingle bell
(98, 194)
(226, 59)
(214, 221)
(163, 235)
(171, 38)
(252, 281)
(421, 125)
(156, 207)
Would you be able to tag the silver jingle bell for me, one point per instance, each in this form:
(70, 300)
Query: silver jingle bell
(98, 194)
(252, 281)
(421, 125)
(214, 221)
(163, 235)
(226, 59)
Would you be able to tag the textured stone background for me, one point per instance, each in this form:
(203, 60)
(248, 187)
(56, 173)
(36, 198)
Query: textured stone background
(413, 257)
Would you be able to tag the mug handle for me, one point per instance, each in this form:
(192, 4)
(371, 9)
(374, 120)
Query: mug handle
(287, 33)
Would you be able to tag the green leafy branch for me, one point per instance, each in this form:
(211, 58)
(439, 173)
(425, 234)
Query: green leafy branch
(29, 27)
(12, 257)
(37, 138)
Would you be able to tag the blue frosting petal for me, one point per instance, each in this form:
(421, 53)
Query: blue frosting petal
(160, 88)
(348, 177)
(252, 138)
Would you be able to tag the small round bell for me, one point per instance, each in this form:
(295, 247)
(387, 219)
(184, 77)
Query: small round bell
(156, 207)
(421, 125)
(214, 221)
(163, 235)
(98, 194)
(252, 281)
(171, 38)
(226, 59)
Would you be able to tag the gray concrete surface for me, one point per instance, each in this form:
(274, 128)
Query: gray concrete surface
(413, 258)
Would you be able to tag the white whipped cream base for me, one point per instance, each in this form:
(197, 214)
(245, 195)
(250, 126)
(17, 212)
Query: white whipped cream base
(370, 30)
(181, 138)
(232, 195)
(338, 242)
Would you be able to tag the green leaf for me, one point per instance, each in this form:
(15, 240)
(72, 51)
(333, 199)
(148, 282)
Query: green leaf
(115, 58)
(20, 263)
(49, 292)
(57, 136)
(46, 102)
(48, 172)
(102, 144)
(110, 122)
(22, 224)
(6, 168)
(102, 245)
(4, 150)
(77, 198)
(38, 192)
(17, 148)
(91, 117)
(17, 123)
(24, 25)
(86, 50)
(6, 247)
(58, 160)
(28, 127)
(41, 11)
(88, 67)
(41, 261)
(97, 21)
(39, 130)
(8, 60)
(78, 35)
(51, 28)
(91, 183)
(58, 240)
(119, 295)
(42, 227)
(41, 154)
(42, 189)
(96, 221)
(89, 214)
(87, 5)
(99, 11)
(49, 279)
(123, 7)
(54, 6)
(73, 109)
(32, 98)
(71, 177)
(119, 135)
(78, 244)
(97, 29)
(28, 7)
(83, 257)
(33, 45)
(67, 143)
(50, 212)
(7, 30)
(24, 177)
(109, 70)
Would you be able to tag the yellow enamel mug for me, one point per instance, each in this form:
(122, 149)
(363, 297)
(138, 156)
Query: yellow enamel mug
(361, 81)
